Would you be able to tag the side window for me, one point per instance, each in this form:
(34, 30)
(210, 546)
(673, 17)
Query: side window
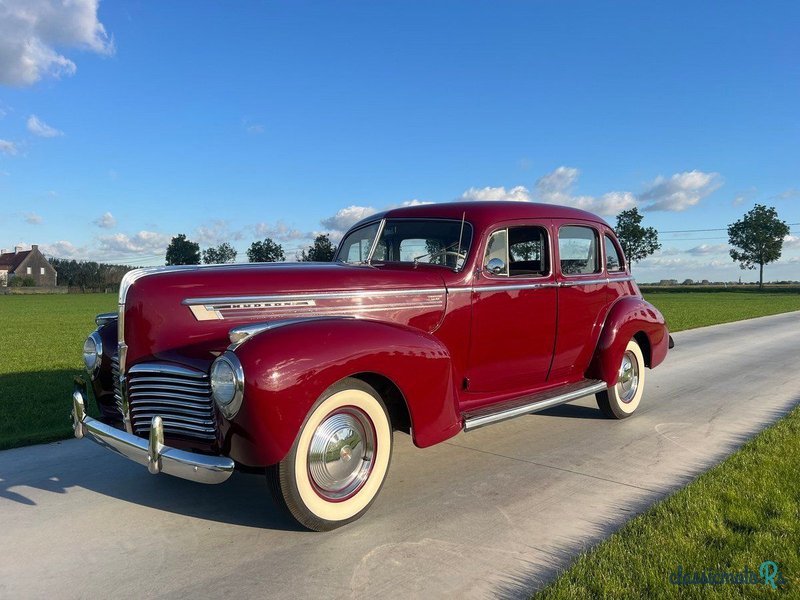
(578, 250)
(527, 251)
(523, 250)
(613, 258)
(358, 251)
(356, 246)
(498, 248)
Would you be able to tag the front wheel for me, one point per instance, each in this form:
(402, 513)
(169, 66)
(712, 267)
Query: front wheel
(620, 400)
(339, 460)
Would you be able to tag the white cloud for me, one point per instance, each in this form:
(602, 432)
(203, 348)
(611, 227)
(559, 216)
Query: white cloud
(252, 127)
(38, 127)
(705, 249)
(416, 202)
(216, 232)
(66, 249)
(791, 241)
(106, 221)
(557, 184)
(7, 147)
(145, 243)
(679, 192)
(32, 218)
(789, 194)
(517, 194)
(744, 196)
(31, 30)
(556, 188)
(347, 217)
(281, 232)
(684, 262)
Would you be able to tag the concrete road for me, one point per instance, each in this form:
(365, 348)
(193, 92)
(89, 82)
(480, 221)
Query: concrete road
(493, 512)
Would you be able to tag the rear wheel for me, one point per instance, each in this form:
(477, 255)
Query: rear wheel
(339, 461)
(620, 400)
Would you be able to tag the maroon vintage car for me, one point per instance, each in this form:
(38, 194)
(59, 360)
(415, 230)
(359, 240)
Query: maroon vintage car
(430, 320)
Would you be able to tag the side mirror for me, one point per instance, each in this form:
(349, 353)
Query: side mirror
(496, 266)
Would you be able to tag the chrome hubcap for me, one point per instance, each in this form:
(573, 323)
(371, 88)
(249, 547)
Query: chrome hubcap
(341, 453)
(628, 377)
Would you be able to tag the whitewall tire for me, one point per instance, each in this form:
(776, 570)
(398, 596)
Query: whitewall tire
(620, 400)
(339, 460)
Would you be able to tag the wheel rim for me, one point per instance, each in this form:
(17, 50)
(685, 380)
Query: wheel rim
(341, 454)
(628, 378)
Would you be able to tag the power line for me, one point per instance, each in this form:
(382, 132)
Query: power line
(704, 230)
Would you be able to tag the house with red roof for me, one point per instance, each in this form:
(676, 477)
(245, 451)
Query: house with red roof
(27, 263)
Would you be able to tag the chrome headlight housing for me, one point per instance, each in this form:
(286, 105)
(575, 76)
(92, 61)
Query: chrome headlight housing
(93, 353)
(227, 384)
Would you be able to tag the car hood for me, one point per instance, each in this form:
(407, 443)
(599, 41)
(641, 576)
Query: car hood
(186, 313)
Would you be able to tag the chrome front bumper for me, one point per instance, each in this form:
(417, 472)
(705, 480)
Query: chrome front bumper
(151, 453)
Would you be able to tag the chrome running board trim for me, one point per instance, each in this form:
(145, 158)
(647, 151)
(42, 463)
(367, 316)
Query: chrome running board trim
(531, 404)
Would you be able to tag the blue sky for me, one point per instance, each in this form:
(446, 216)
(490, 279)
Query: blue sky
(128, 122)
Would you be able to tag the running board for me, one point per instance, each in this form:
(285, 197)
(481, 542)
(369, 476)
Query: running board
(532, 403)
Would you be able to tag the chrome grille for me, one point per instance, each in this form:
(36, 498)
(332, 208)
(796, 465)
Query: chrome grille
(180, 396)
(115, 376)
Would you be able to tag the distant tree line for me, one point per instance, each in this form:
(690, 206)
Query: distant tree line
(183, 251)
(88, 274)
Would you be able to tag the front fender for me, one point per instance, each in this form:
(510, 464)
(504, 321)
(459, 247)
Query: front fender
(286, 370)
(628, 317)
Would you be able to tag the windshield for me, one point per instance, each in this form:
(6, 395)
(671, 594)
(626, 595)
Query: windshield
(430, 241)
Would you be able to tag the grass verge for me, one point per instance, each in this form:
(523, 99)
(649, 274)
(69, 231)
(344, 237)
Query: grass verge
(699, 309)
(744, 511)
(41, 338)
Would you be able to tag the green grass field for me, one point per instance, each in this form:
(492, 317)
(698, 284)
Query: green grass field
(740, 513)
(698, 309)
(41, 338)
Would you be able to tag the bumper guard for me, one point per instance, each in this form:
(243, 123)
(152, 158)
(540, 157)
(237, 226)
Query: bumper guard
(151, 453)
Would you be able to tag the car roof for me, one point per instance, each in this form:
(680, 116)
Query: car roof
(486, 212)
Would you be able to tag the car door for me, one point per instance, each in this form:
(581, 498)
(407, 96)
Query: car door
(582, 298)
(514, 310)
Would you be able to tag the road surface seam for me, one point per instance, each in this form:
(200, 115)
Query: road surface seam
(538, 464)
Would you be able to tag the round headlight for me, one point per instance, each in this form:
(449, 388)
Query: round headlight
(227, 384)
(92, 353)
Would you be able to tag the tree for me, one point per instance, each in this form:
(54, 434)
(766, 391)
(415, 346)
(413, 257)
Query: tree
(320, 251)
(266, 251)
(88, 275)
(182, 251)
(637, 242)
(224, 253)
(757, 239)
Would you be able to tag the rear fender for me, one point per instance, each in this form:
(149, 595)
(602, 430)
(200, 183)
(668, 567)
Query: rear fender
(629, 316)
(287, 369)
